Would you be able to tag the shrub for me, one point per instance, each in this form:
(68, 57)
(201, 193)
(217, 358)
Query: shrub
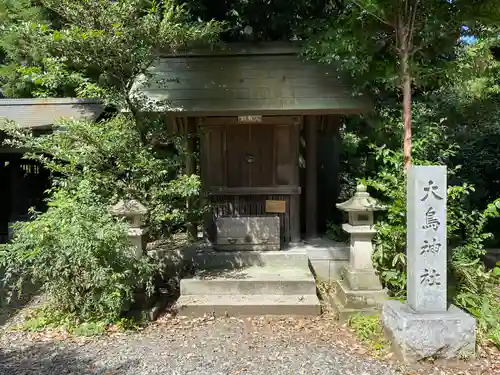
(79, 255)
(112, 157)
(76, 250)
(369, 329)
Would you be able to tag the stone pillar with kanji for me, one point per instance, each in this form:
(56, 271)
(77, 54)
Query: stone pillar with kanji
(426, 325)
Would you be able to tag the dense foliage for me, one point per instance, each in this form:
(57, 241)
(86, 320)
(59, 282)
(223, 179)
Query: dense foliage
(110, 157)
(95, 49)
(79, 255)
(470, 285)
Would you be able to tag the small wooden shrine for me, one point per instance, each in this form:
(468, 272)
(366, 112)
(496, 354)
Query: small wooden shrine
(266, 123)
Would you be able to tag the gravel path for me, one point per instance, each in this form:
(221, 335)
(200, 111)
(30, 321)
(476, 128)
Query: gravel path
(266, 346)
(185, 347)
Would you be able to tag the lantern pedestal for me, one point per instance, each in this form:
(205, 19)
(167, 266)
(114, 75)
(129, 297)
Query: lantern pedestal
(138, 237)
(360, 290)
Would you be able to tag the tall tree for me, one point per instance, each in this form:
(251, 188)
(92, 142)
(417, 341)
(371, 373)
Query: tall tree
(106, 43)
(413, 33)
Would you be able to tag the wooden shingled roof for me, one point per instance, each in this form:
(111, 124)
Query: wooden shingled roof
(44, 112)
(260, 79)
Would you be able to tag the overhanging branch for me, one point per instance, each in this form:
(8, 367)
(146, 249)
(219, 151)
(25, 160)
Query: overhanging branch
(386, 22)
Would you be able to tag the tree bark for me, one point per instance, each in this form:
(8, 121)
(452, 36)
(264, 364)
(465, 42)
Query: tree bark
(406, 85)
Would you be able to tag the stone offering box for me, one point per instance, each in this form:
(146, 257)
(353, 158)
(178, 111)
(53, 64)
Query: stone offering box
(251, 233)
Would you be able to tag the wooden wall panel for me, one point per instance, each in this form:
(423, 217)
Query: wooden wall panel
(311, 124)
(328, 165)
(262, 147)
(212, 156)
(227, 146)
(237, 147)
(286, 163)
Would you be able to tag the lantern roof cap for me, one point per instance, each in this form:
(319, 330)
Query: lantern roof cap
(361, 202)
(129, 208)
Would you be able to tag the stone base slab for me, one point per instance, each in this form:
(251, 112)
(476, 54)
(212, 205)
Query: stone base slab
(359, 299)
(327, 270)
(361, 279)
(248, 247)
(447, 335)
(208, 258)
(327, 259)
(344, 313)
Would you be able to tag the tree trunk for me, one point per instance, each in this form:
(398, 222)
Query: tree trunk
(190, 138)
(406, 83)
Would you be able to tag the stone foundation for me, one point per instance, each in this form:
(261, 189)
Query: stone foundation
(349, 299)
(438, 335)
(359, 279)
(327, 258)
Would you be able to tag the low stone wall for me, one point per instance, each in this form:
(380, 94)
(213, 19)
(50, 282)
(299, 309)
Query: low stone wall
(327, 259)
(176, 258)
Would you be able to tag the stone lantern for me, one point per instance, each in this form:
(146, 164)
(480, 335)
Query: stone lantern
(360, 209)
(360, 290)
(135, 214)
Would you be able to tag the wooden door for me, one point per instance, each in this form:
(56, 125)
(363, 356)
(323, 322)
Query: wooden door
(237, 153)
(249, 155)
(262, 150)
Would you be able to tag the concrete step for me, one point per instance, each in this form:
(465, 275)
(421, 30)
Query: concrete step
(211, 259)
(270, 280)
(248, 305)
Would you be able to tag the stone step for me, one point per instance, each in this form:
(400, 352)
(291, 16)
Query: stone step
(248, 305)
(271, 280)
(211, 259)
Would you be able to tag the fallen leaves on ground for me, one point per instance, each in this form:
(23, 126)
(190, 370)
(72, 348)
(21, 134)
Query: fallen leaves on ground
(324, 329)
(237, 372)
(328, 330)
